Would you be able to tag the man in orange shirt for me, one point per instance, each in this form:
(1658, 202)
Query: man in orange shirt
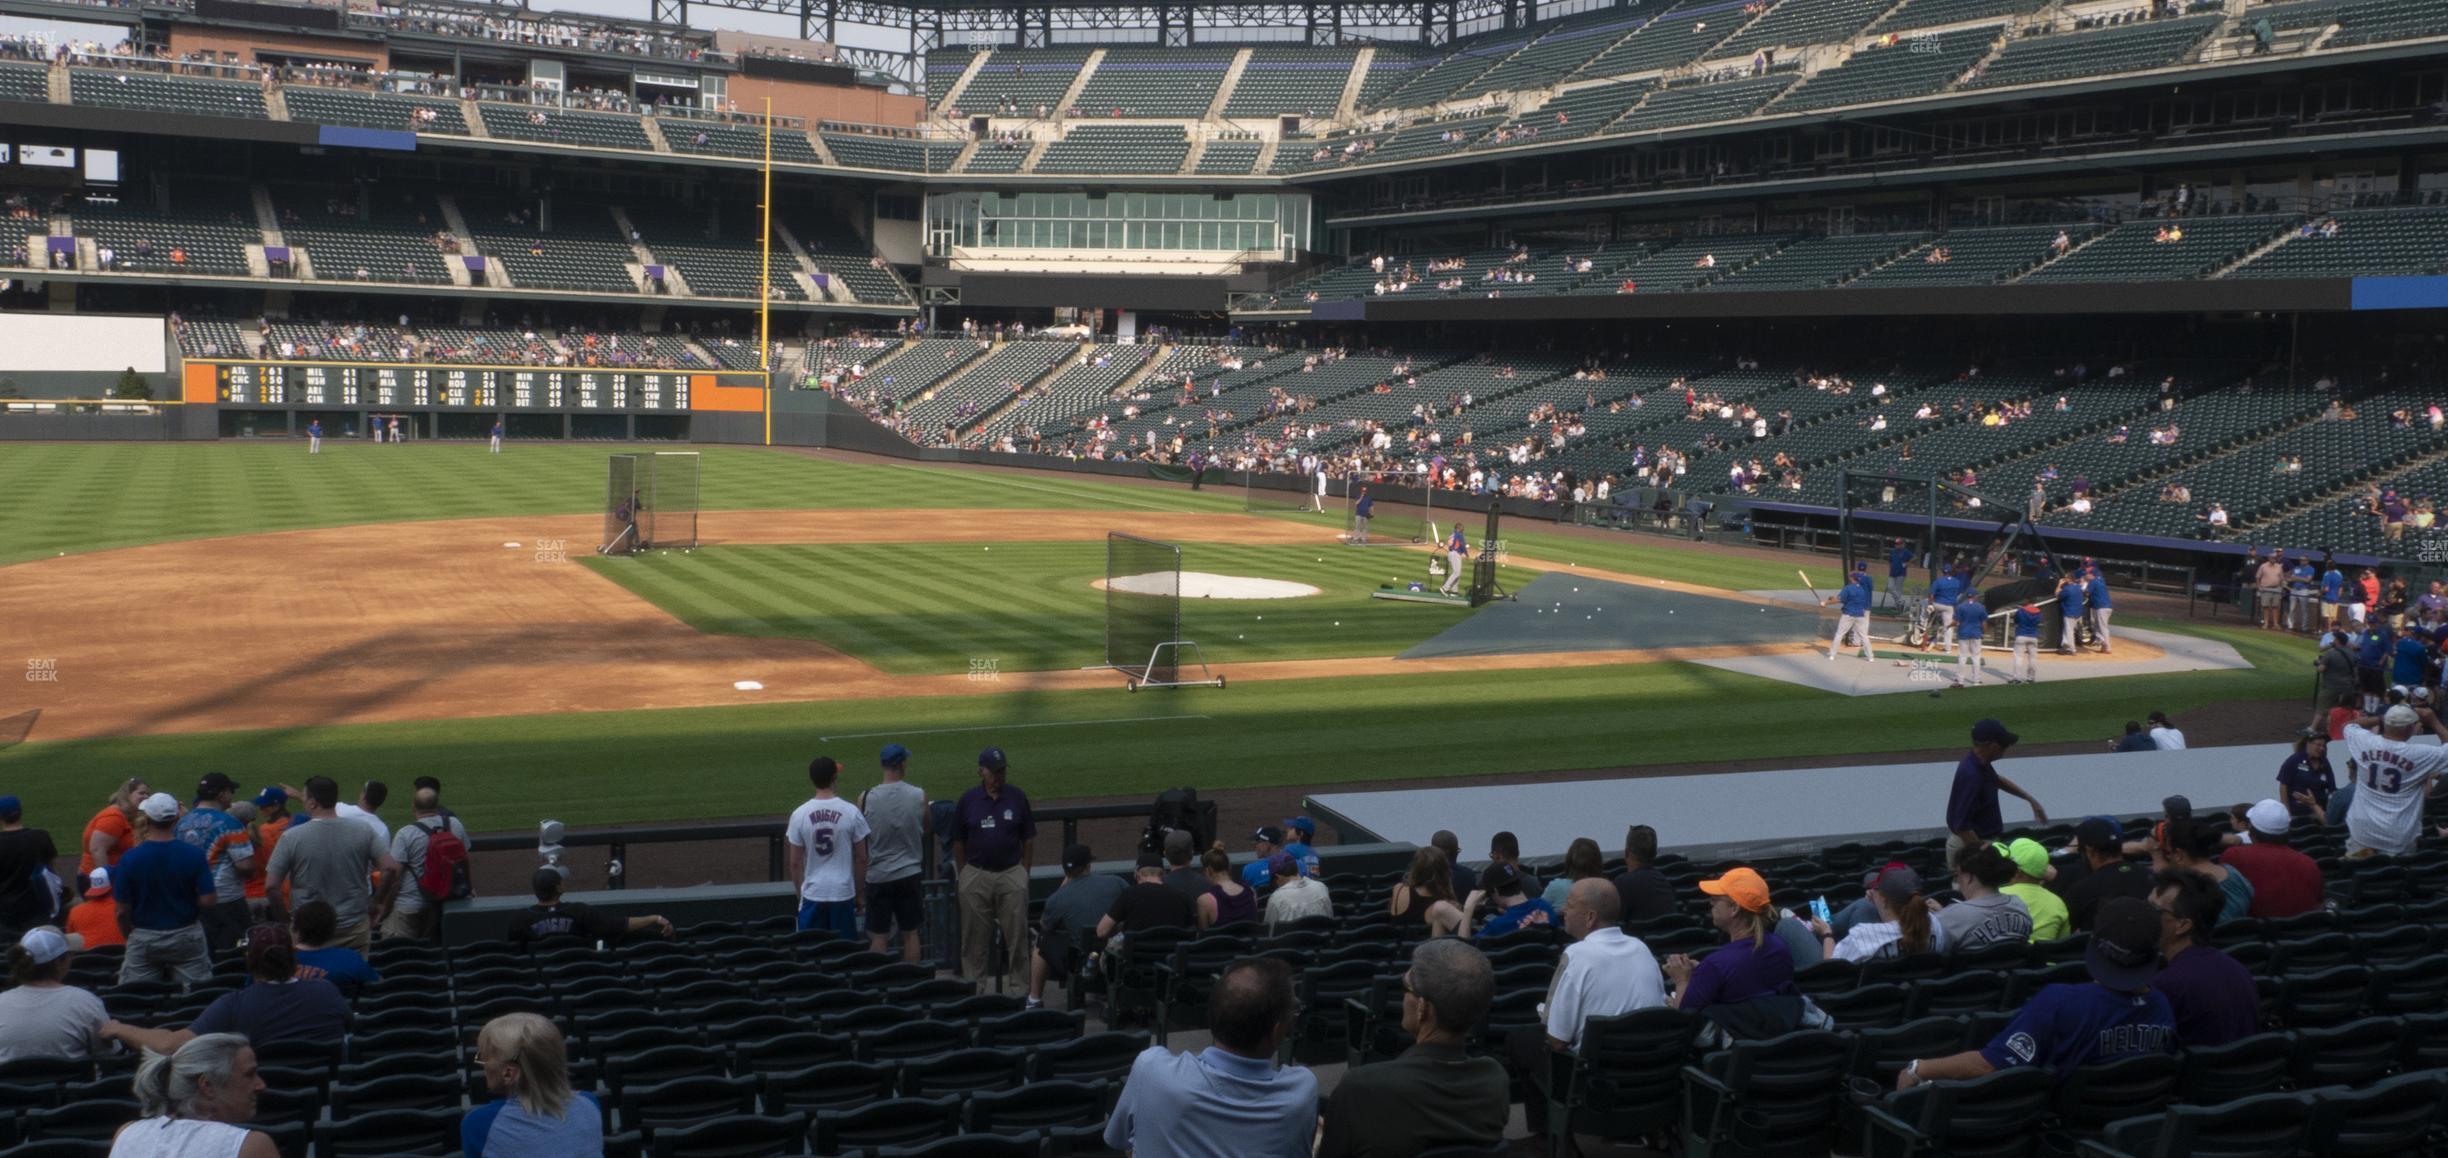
(113, 830)
(96, 918)
(272, 819)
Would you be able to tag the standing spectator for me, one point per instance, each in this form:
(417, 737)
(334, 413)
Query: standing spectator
(2395, 778)
(434, 783)
(1985, 916)
(333, 861)
(96, 917)
(29, 891)
(2049, 919)
(536, 1114)
(1581, 861)
(2100, 841)
(1755, 963)
(2336, 664)
(1181, 874)
(2211, 994)
(1605, 972)
(2164, 734)
(828, 854)
(1903, 927)
(41, 1015)
(369, 804)
(993, 841)
(2192, 845)
(1425, 895)
(1642, 892)
(164, 887)
(1294, 897)
(195, 1102)
(2284, 882)
(2269, 581)
(1264, 844)
(1227, 901)
(417, 916)
(1972, 807)
(272, 819)
(1229, 1100)
(1069, 924)
(274, 1005)
(112, 831)
(1303, 834)
(2305, 780)
(1148, 903)
(2114, 1015)
(897, 840)
(1465, 878)
(1435, 1094)
(552, 919)
(310, 929)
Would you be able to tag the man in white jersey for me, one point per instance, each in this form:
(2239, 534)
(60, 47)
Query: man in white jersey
(2393, 776)
(828, 855)
(896, 811)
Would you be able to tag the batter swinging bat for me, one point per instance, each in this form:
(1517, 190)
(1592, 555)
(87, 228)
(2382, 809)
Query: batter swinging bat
(1807, 584)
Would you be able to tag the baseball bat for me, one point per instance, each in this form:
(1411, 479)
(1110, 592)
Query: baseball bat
(1815, 596)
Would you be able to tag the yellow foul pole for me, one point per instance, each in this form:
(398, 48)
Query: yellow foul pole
(765, 277)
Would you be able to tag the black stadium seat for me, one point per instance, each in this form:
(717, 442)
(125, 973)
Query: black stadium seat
(734, 1136)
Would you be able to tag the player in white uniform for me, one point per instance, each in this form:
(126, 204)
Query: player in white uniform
(828, 855)
(1457, 552)
(2393, 778)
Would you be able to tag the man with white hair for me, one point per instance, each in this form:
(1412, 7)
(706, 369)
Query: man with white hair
(2394, 777)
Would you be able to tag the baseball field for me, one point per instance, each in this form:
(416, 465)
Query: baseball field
(395, 611)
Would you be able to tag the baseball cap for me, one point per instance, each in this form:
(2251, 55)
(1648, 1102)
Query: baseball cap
(1498, 880)
(161, 806)
(2099, 832)
(98, 882)
(1269, 834)
(1078, 856)
(45, 944)
(11, 808)
(2029, 857)
(1149, 860)
(1898, 883)
(1281, 864)
(2124, 950)
(214, 784)
(894, 756)
(2400, 716)
(1992, 732)
(2269, 816)
(273, 797)
(1307, 827)
(992, 760)
(1741, 886)
(547, 880)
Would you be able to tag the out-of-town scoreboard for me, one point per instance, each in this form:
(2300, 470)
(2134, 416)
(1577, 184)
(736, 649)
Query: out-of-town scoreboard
(448, 387)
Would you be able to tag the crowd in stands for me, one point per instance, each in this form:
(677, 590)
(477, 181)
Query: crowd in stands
(556, 30)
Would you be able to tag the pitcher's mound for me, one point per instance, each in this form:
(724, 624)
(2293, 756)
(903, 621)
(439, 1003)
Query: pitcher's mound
(1203, 585)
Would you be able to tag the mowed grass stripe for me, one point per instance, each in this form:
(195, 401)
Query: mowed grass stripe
(940, 617)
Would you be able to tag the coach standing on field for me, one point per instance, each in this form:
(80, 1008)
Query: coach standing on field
(993, 838)
(1360, 516)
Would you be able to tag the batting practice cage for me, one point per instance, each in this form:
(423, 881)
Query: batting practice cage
(1143, 635)
(1393, 521)
(650, 500)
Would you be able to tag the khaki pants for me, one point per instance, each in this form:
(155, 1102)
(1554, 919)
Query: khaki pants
(177, 956)
(422, 925)
(991, 900)
(359, 936)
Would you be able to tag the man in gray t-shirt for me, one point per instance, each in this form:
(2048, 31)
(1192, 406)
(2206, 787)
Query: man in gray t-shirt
(329, 859)
(896, 856)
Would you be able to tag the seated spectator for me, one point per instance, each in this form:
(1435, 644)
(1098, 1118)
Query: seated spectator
(1902, 929)
(41, 1015)
(552, 919)
(96, 918)
(1302, 834)
(1985, 916)
(2164, 734)
(2284, 882)
(1435, 1094)
(1506, 903)
(2210, 994)
(2135, 739)
(1071, 919)
(1182, 873)
(1606, 972)
(537, 1115)
(1426, 895)
(1581, 861)
(1148, 903)
(2115, 1014)
(275, 1004)
(2193, 845)
(1505, 848)
(1230, 1098)
(312, 927)
(2305, 780)
(1739, 987)
(1296, 897)
(1641, 890)
(2100, 843)
(1266, 842)
(2030, 885)
(194, 1100)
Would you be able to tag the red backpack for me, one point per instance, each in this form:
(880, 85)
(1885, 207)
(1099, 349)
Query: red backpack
(445, 877)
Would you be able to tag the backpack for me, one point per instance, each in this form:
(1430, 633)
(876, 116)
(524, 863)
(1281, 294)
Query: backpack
(445, 877)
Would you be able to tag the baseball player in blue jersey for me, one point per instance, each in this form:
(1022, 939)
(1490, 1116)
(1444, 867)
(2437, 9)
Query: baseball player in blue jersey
(1971, 619)
(2023, 660)
(497, 435)
(1457, 552)
(2095, 589)
(2070, 604)
(1361, 511)
(314, 437)
(1853, 613)
(1899, 557)
(1944, 591)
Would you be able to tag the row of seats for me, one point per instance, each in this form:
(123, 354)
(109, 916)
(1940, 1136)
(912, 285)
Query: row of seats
(1297, 82)
(1088, 381)
(2124, 48)
(364, 110)
(1090, 149)
(1155, 82)
(156, 92)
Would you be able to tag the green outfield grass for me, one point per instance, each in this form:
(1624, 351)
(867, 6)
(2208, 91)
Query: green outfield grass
(933, 608)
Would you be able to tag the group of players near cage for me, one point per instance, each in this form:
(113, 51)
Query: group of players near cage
(1953, 620)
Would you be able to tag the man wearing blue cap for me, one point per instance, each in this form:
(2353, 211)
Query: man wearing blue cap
(2071, 600)
(1304, 834)
(1972, 805)
(2095, 592)
(993, 841)
(1899, 557)
(1944, 591)
(897, 845)
(1971, 621)
(1853, 613)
